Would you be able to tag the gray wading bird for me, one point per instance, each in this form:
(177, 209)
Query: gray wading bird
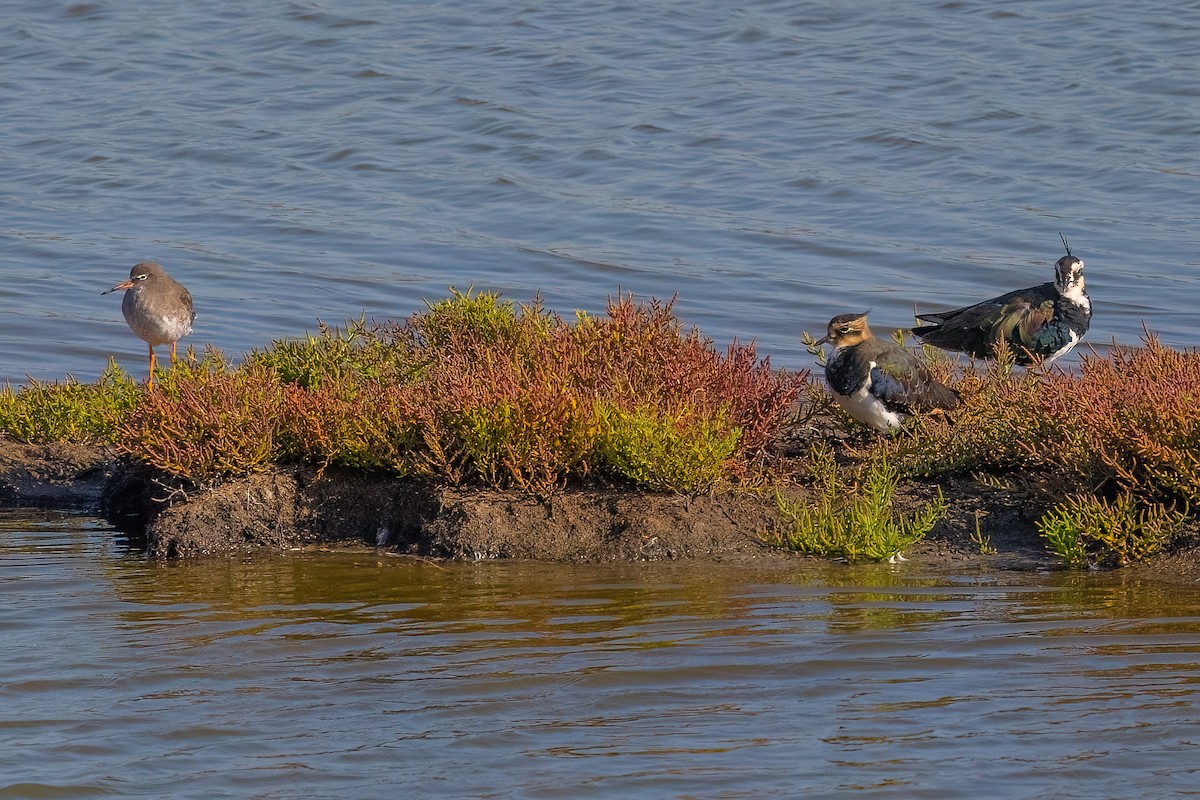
(157, 307)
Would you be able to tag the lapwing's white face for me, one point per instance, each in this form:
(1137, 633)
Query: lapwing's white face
(1068, 277)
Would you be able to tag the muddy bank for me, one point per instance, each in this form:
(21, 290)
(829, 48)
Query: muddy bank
(283, 510)
(288, 509)
(62, 477)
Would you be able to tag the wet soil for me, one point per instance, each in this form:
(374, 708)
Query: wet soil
(290, 509)
(286, 509)
(64, 477)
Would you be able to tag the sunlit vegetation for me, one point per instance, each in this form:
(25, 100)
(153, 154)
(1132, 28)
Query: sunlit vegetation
(69, 411)
(1110, 451)
(477, 390)
(1092, 531)
(991, 430)
(473, 390)
(480, 390)
(207, 422)
(851, 513)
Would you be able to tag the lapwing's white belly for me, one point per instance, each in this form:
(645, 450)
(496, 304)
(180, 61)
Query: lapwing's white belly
(867, 409)
(1066, 348)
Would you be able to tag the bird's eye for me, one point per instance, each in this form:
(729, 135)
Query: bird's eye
(141, 277)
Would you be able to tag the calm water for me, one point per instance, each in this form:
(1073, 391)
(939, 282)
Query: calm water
(773, 163)
(339, 675)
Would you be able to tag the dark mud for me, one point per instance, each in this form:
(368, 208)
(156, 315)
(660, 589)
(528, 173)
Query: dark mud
(62, 477)
(299, 508)
(283, 510)
(288, 509)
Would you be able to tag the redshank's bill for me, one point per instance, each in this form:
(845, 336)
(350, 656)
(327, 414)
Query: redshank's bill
(157, 307)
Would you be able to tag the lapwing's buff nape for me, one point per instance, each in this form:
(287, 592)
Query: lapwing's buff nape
(1039, 323)
(876, 381)
(157, 307)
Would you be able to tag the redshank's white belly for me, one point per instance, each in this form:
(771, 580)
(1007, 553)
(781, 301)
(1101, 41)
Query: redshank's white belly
(154, 326)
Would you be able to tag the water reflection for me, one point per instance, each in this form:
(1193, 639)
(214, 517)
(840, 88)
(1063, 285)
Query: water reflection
(350, 674)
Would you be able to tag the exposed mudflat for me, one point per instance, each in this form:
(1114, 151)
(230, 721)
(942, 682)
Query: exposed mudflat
(66, 477)
(297, 508)
(282, 509)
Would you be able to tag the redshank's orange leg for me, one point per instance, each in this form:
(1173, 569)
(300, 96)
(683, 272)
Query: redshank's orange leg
(173, 352)
(151, 379)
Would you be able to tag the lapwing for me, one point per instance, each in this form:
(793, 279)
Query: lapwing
(876, 381)
(157, 307)
(1041, 322)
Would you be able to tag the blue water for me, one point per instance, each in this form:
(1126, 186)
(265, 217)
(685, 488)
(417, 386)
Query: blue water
(327, 675)
(773, 164)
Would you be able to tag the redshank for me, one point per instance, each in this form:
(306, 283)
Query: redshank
(157, 307)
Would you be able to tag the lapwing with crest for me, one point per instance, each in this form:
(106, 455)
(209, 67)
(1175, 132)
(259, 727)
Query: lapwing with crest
(876, 381)
(1039, 323)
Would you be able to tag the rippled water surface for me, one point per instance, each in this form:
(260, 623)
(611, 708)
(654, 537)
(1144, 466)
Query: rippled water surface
(773, 163)
(332, 675)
